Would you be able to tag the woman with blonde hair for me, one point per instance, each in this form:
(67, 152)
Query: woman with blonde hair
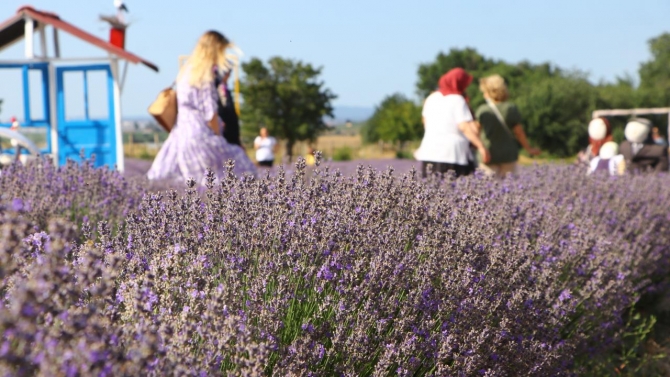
(501, 125)
(195, 143)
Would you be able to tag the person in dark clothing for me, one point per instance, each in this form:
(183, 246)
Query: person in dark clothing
(640, 151)
(226, 109)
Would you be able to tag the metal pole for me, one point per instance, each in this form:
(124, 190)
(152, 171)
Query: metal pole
(53, 113)
(43, 41)
(117, 115)
(56, 43)
(123, 77)
(86, 112)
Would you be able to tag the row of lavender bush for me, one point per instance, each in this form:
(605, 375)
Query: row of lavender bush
(369, 275)
(75, 192)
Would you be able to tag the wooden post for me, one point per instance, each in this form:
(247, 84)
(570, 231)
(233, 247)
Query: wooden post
(156, 140)
(130, 143)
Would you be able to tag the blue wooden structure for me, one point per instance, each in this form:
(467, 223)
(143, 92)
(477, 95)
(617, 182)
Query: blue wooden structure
(66, 138)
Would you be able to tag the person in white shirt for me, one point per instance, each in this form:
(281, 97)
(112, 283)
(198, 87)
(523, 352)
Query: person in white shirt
(266, 147)
(450, 128)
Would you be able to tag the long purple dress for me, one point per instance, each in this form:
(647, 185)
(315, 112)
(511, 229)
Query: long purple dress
(192, 146)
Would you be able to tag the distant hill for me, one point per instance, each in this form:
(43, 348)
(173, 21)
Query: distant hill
(353, 113)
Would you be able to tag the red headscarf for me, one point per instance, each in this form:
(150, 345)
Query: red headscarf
(455, 82)
(596, 144)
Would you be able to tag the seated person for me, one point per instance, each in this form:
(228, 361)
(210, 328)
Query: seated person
(608, 160)
(600, 132)
(640, 151)
(658, 138)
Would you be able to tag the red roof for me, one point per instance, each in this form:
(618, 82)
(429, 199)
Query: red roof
(13, 29)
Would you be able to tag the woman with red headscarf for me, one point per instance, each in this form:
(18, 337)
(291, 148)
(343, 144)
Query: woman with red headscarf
(449, 128)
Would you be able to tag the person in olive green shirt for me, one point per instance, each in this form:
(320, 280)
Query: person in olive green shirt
(502, 139)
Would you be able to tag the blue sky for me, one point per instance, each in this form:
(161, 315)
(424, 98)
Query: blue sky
(368, 48)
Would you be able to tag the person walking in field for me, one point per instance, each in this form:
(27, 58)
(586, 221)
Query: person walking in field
(449, 128)
(266, 147)
(195, 143)
(226, 107)
(501, 126)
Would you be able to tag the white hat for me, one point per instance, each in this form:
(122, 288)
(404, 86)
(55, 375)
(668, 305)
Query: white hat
(597, 129)
(637, 130)
(608, 150)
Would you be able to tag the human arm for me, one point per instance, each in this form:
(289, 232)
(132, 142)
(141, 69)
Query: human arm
(257, 142)
(523, 140)
(215, 125)
(469, 127)
(209, 106)
(476, 127)
(514, 118)
(470, 131)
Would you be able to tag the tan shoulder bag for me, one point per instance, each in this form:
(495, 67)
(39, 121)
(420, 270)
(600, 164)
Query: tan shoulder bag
(164, 108)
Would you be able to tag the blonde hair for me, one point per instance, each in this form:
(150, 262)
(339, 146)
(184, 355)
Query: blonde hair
(494, 87)
(209, 52)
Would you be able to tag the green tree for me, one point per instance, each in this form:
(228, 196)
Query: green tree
(516, 75)
(287, 97)
(655, 74)
(654, 90)
(622, 94)
(369, 133)
(557, 111)
(396, 119)
(468, 59)
(557, 104)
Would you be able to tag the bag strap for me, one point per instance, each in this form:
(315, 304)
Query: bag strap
(493, 107)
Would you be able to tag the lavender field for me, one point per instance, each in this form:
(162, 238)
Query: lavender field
(319, 273)
(138, 168)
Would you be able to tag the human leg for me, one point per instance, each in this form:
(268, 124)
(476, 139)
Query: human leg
(507, 168)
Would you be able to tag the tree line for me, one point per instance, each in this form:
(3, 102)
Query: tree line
(556, 103)
(288, 97)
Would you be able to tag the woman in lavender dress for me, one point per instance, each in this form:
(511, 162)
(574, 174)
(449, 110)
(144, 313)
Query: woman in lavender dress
(196, 142)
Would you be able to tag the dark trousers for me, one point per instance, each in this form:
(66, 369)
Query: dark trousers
(266, 164)
(443, 167)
